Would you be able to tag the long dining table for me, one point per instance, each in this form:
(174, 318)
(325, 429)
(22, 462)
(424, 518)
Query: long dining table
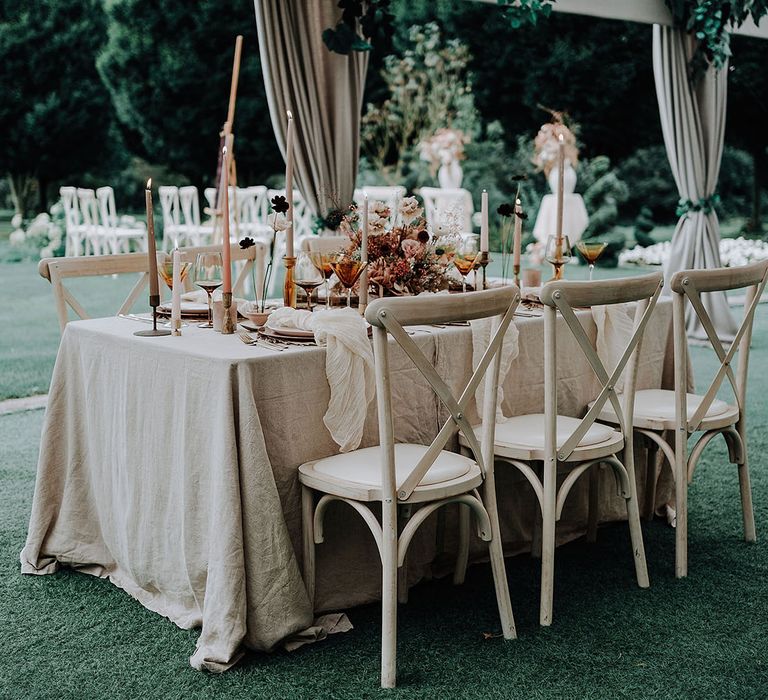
(169, 465)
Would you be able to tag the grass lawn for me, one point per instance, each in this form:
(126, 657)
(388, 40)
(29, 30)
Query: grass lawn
(74, 636)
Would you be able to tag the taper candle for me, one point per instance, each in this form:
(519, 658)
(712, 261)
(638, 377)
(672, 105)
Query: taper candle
(226, 286)
(484, 222)
(176, 293)
(289, 186)
(560, 181)
(364, 256)
(517, 241)
(154, 292)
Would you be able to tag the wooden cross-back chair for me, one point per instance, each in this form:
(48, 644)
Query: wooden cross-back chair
(543, 443)
(58, 270)
(657, 411)
(409, 476)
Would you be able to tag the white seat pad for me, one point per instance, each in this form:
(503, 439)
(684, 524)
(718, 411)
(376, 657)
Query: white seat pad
(528, 431)
(364, 466)
(660, 403)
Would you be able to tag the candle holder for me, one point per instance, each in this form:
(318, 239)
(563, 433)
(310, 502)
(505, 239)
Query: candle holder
(227, 324)
(516, 275)
(176, 327)
(482, 260)
(154, 302)
(558, 254)
(289, 286)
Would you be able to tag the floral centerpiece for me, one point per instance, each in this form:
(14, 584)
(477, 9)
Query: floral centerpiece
(443, 151)
(403, 258)
(546, 143)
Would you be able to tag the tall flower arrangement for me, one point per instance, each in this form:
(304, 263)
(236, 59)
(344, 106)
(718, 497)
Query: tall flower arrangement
(546, 143)
(444, 147)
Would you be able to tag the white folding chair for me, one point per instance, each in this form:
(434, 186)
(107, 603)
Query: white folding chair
(75, 230)
(95, 234)
(118, 238)
(253, 207)
(448, 207)
(193, 232)
(657, 411)
(548, 441)
(419, 477)
(169, 205)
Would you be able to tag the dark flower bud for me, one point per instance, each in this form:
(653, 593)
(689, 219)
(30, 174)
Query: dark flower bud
(505, 210)
(280, 204)
(423, 236)
(247, 243)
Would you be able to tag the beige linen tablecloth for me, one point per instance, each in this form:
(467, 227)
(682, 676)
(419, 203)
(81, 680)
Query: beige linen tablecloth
(170, 466)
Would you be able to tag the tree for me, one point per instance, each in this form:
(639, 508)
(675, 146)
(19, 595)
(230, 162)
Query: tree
(168, 66)
(55, 113)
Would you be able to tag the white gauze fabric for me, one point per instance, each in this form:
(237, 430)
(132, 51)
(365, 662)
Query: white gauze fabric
(348, 366)
(481, 337)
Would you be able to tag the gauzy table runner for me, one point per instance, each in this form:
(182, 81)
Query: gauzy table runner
(170, 465)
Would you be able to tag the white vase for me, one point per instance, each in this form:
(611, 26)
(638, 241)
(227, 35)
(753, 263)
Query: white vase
(569, 178)
(450, 175)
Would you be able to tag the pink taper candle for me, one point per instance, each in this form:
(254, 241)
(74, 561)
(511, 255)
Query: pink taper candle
(154, 291)
(225, 252)
(484, 222)
(289, 187)
(517, 241)
(560, 188)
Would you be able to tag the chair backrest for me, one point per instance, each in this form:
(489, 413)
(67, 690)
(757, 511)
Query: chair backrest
(391, 196)
(71, 209)
(169, 204)
(88, 207)
(689, 285)
(446, 207)
(390, 316)
(190, 206)
(564, 296)
(57, 270)
(324, 244)
(210, 198)
(107, 210)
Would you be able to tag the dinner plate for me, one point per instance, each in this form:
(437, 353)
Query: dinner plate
(292, 332)
(270, 333)
(190, 308)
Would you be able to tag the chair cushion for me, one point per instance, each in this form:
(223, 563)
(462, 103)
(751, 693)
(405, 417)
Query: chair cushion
(528, 431)
(660, 403)
(364, 466)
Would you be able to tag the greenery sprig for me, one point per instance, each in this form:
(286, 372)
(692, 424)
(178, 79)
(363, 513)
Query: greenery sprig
(524, 12)
(374, 20)
(711, 23)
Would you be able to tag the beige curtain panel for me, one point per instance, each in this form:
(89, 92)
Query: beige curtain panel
(693, 124)
(323, 90)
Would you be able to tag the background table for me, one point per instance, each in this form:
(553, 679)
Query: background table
(170, 466)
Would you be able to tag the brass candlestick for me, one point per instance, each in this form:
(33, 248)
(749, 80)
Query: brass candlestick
(154, 302)
(289, 286)
(227, 324)
(482, 260)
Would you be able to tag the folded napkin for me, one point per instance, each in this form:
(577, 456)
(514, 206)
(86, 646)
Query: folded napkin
(510, 349)
(348, 366)
(614, 329)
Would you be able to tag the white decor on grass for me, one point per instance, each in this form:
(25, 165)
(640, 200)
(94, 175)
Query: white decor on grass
(734, 252)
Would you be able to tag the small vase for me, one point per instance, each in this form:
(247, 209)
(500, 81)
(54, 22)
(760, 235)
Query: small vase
(450, 175)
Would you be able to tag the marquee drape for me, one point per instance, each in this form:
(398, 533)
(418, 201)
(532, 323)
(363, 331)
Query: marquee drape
(323, 90)
(693, 124)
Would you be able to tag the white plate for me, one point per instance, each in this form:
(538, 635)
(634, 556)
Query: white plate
(292, 332)
(187, 307)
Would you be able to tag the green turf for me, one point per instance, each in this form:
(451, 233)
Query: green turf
(74, 636)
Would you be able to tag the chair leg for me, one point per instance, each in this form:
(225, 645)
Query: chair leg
(462, 556)
(389, 594)
(681, 504)
(548, 544)
(745, 487)
(633, 515)
(308, 540)
(537, 522)
(651, 477)
(594, 502)
(496, 552)
(402, 572)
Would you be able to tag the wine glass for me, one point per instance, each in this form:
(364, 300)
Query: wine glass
(209, 276)
(348, 269)
(165, 270)
(307, 276)
(324, 263)
(558, 253)
(465, 259)
(590, 251)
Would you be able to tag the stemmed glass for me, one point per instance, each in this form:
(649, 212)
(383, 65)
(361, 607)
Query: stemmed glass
(324, 263)
(465, 259)
(558, 253)
(348, 270)
(590, 251)
(307, 276)
(209, 276)
(165, 270)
